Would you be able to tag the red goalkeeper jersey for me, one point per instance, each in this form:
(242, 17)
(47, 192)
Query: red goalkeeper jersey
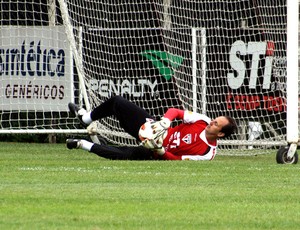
(187, 141)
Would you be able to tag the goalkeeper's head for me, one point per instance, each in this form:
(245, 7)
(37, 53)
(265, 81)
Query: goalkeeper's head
(230, 128)
(221, 127)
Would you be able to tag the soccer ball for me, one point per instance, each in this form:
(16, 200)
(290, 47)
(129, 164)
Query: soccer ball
(146, 131)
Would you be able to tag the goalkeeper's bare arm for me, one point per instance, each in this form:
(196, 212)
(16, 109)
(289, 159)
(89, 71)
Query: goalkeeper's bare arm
(194, 139)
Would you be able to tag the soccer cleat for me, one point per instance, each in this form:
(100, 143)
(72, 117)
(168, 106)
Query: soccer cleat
(78, 112)
(73, 143)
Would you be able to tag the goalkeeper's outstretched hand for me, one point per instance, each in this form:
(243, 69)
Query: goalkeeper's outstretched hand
(160, 126)
(154, 145)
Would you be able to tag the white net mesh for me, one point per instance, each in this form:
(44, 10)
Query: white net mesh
(213, 57)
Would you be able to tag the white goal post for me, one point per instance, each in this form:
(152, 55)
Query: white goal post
(237, 58)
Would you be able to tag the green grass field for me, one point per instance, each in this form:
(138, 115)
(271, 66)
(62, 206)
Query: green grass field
(46, 186)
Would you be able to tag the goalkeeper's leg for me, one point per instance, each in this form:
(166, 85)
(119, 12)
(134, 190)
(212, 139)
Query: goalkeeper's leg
(131, 116)
(111, 152)
(122, 152)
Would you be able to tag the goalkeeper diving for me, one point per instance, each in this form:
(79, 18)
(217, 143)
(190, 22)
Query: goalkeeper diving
(195, 138)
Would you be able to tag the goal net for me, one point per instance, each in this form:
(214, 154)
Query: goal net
(212, 57)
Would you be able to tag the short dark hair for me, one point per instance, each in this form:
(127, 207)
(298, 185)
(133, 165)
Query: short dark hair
(230, 128)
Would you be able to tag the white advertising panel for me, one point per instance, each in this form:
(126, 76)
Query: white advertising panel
(36, 70)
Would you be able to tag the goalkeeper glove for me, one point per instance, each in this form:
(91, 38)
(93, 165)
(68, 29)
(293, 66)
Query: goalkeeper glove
(161, 151)
(154, 145)
(159, 126)
(163, 123)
